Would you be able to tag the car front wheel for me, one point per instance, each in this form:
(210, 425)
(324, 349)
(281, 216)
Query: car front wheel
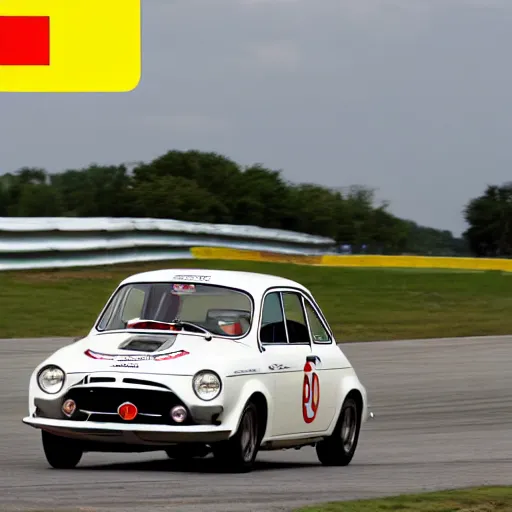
(238, 453)
(338, 449)
(61, 452)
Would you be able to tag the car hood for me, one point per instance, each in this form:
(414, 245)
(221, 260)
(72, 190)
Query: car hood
(180, 354)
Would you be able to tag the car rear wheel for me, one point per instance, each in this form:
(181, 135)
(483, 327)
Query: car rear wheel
(61, 452)
(239, 452)
(338, 449)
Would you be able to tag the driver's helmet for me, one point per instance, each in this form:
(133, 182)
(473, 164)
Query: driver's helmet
(231, 327)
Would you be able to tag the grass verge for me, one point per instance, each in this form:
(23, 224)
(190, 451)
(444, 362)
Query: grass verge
(360, 304)
(484, 499)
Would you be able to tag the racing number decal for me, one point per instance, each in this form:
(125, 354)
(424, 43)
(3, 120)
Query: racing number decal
(310, 393)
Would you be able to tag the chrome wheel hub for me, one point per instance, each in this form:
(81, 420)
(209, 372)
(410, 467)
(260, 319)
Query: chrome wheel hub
(349, 428)
(248, 437)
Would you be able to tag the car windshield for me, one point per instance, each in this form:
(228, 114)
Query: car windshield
(221, 311)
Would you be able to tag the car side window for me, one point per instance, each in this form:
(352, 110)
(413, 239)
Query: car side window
(298, 331)
(318, 331)
(272, 328)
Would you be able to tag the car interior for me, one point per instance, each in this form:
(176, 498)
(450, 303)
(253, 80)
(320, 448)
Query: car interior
(275, 332)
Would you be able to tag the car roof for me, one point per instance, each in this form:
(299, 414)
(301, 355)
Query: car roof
(252, 282)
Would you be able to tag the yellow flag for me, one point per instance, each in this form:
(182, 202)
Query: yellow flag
(70, 45)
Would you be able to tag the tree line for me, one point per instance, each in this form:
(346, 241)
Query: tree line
(209, 187)
(489, 217)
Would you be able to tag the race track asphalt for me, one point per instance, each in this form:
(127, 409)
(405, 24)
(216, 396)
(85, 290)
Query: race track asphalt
(443, 419)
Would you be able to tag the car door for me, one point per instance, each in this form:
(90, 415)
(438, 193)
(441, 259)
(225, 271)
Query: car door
(284, 355)
(321, 368)
(329, 364)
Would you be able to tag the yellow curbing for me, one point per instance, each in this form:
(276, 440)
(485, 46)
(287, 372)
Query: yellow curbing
(222, 253)
(335, 260)
(417, 262)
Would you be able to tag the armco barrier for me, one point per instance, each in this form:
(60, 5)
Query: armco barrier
(41, 242)
(31, 243)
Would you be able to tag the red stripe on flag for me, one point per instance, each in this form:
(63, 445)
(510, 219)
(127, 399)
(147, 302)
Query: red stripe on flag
(24, 40)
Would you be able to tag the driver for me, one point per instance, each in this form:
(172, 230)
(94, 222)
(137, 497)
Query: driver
(235, 327)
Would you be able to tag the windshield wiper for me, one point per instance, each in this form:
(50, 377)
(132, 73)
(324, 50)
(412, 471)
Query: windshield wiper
(159, 325)
(180, 323)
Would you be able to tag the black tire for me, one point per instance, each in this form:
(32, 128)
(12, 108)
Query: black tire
(238, 453)
(61, 452)
(186, 452)
(338, 449)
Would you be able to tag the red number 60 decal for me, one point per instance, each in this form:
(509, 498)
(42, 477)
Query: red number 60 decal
(310, 394)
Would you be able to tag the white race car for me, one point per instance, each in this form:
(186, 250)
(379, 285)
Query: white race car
(194, 362)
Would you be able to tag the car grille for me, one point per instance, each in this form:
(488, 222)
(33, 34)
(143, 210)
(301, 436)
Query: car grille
(101, 403)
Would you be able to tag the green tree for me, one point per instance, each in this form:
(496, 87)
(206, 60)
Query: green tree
(38, 201)
(95, 191)
(260, 197)
(314, 209)
(490, 222)
(387, 233)
(175, 197)
(20, 189)
(212, 172)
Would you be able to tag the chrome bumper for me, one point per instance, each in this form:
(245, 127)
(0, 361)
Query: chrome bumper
(130, 433)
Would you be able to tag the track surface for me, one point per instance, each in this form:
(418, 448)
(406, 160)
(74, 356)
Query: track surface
(443, 419)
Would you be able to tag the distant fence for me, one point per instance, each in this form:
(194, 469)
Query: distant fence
(42, 242)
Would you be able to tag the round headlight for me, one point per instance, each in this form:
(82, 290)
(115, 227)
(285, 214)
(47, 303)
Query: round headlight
(206, 385)
(51, 379)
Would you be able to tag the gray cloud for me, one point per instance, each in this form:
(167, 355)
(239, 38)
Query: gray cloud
(408, 96)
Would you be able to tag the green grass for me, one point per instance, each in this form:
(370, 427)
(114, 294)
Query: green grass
(360, 304)
(485, 499)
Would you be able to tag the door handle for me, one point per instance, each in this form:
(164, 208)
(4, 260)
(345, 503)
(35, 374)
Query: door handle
(313, 359)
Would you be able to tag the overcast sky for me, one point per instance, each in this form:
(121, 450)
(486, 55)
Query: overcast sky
(411, 97)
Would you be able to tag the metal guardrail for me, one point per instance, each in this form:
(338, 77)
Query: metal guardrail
(51, 242)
